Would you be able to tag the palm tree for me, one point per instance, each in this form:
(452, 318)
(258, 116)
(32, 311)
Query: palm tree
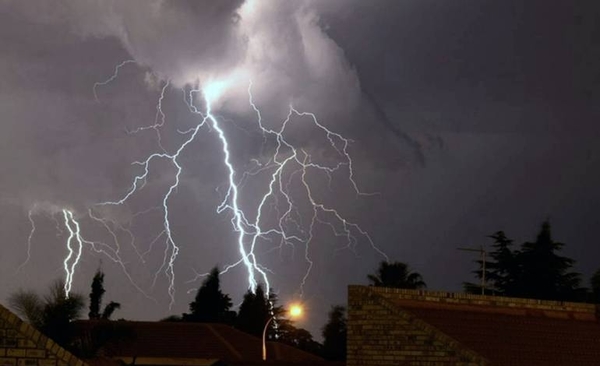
(396, 275)
(52, 313)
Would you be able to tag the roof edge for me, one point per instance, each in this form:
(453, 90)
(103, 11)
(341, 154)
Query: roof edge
(39, 339)
(443, 297)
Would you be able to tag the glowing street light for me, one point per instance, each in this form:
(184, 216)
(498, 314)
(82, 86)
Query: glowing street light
(295, 311)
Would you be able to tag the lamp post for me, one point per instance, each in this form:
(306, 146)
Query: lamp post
(294, 312)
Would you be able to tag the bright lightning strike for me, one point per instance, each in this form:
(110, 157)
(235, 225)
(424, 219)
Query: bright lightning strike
(300, 161)
(286, 169)
(74, 249)
(75, 243)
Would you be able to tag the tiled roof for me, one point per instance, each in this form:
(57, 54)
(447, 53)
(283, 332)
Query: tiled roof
(509, 331)
(181, 340)
(519, 339)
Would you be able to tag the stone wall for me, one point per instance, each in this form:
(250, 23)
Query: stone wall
(22, 345)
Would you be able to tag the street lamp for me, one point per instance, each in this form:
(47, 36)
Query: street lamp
(294, 311)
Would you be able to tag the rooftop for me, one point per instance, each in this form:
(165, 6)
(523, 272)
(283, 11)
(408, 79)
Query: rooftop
(504, 331)
(163, 343)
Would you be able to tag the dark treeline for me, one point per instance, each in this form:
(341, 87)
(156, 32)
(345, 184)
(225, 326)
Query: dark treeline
(532, 270)
(257, 311)
(53, 314)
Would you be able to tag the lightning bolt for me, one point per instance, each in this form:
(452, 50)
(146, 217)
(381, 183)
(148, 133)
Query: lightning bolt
(110, 79)
(75, 244)
(231, 202)
(302, 161)
(29, 238)
(286, 167)
(278, 163)
(171, 250)
(74, 255)
(159, 118)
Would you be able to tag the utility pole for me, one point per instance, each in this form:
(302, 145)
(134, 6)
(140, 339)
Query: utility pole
(482, 252)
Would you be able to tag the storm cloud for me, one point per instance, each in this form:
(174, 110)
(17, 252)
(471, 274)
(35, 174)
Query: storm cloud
(464, 118)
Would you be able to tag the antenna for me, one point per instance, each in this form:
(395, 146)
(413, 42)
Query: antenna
(482, 252)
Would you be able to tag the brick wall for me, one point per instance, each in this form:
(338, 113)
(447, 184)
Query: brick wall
(23, 345)
(381, 334)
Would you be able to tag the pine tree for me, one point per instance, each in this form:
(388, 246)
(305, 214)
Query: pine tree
(211, 305)
(544, 274)
(254, 312)
(536, 271)
(503, 269)
(334, 334)
(500, 271)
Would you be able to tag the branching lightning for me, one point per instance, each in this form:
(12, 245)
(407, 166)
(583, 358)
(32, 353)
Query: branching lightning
(74, 255)
(287, 169)
(286, 154)
(159, 118)
(29, 238)
(113, 77)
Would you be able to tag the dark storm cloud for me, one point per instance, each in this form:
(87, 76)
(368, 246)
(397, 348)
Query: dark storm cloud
(512, 89)
(201, 34)
(493, 66)
(467, 118)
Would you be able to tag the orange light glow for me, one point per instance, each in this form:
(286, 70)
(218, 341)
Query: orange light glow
(295, 311)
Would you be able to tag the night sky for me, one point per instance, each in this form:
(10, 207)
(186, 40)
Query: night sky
(463, 118)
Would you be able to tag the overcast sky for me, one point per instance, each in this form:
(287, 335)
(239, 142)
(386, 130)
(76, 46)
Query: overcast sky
(462, 117)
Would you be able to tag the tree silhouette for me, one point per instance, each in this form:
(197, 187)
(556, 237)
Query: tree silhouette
(397, 275)
(96, 295)
(257, 310)
(504, 268)
(299, 338)
(501, 271)
(543, 274)
(29, 306)
(595, 282)
(254, 312)
(334, 334)
(51, 314)
(535, 271)
(211, 305)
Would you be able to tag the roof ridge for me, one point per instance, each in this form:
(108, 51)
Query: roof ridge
(444, 297)
(224, 341)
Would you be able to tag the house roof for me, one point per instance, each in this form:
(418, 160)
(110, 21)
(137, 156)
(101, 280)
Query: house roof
(204, 343)
(508, 331)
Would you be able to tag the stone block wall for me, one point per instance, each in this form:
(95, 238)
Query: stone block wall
(23, 345)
